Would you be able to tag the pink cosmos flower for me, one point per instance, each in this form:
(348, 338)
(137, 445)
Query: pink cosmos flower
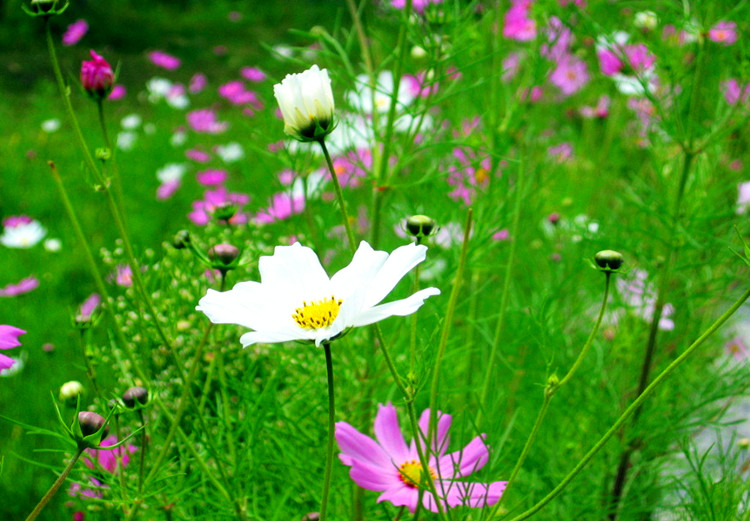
(420, 86)
(164, 60)
(8, 340)
(167, 189)
(88, 308)
(283, 206)
(570, 75)
(97, 77)
(124, 276)
(352, 167)
(560, 39)
(199, 156)
(253, 74)
(214, 199)
(734, 92)
(601, 110)
(211, 177)
(511, 66)
(204, 120)
(737, 348)
(502, 235)
(197, 83)
(105, 460)
(387, 464)
(724, 33)
(560, 153)
(118, 92)
(75, 32)
(24, 286)
(471, 173)
(518, 25)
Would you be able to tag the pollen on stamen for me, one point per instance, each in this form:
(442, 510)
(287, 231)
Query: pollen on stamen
(317, 314)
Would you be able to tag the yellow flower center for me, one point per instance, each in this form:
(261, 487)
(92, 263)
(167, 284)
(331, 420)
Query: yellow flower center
(317, 314)
(481, 175)
(411, 473)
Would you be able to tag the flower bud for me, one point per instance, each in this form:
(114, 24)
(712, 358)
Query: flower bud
(225, 211)
(223, 255)
(41, 7)
(744, 443)
(181, 240)
(91, 423)
(70, 391)
(609, 260)
(420, 226)
(306, 103)
(97, 77)
(135, 396)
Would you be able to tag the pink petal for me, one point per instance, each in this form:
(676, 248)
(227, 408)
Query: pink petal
(401, 495)
(372, 477)
(388, 433)
(463, 462)
(360, 447)
(443, 424)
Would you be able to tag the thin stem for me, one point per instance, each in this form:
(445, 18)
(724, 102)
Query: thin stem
(115, 171)
(55, 486)
(339, 197)
(637, 403)
(90, 372)
(331, 433)
(142, 457)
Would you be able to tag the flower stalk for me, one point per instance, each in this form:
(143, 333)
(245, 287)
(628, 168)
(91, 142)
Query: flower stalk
(55, 486)
(339, 197)
(331, 433)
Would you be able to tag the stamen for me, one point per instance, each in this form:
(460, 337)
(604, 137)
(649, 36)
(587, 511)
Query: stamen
(317, 314)
(410, 473)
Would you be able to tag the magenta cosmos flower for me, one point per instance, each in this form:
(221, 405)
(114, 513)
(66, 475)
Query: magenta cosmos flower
(8, 340)
(97, 77)
(387, 464)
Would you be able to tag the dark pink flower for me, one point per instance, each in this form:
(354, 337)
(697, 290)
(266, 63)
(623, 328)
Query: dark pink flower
(420, 86)
(164, 60)
(75, 32)
(609, 63)
(204, 120)
(352, 167)
(211, 177)
(253, 74)
(387, 464)
(570, 75)
(283, 206)
(97, 77)
(24, 286)
(724, 33)
(8, 340)
(518, 25)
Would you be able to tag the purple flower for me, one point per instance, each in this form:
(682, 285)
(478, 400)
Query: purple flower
(471, 172)
(124, 276)
(734, 92)
(8, 340)
(570, 75)
(283, 206)
(560, 153)
(24, 286)
(75, 32)
(724, 33)
(253, 74)
(164, 60)
(197, 83)
(387, 464)
(204, 120)
(88, 308)
(518, 25)
(211, 177)
(118, 92)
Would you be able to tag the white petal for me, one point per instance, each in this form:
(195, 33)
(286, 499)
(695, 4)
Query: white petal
(294, 270)
(360, 272)
(399, 263)
(399, 308)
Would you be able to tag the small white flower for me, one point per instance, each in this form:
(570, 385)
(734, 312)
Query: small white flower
(51, 125)
(646, 20)
(131, 122)
(306, 103)
(126, 140)
(52, 245)
(364, 101)
(230, 152)
(171, 172)
(158, 88)
(296, 300)
(178, 139)
(179, 101)
(22, 232)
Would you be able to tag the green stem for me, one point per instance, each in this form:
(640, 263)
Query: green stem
(637, 403)
(90, 372)
(55, 486)
(142, 458)
(339, 197)
(115, 170)
(426, 476)
(331, 433)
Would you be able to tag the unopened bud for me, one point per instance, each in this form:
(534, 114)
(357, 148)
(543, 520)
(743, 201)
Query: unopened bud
(135, 395)
(418, 53)
(70, 391)
(744, 443)
(224, 212)
(91, 423)
(224, 254)
(609, 260)
(181, 240)
(420, 225)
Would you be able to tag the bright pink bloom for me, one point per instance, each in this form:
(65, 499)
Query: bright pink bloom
(352, 167)
(283, 206)
(167, 189)
(16, 220)
(24, 286)
(570, 75)
(75, 32)
(502, 235)
(197, 83)
(724, 33)
(8, 340)
(118, 92)
(419, 86)
(124, 276)
(237, 94)
(531, 95)
(88, 308)
(107, 460)
(637, 57)
(601, 110)
(733, 91)
(199, 156)
(204, 120)
(518, 25)
(164, 60)
(97, 77)
(211, 177)
(253, 74)
(609, 63)
(560, 39)
(417, 5)
(387, 464)
(213, 199)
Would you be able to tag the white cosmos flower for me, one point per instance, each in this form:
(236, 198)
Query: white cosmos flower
(296, 300)
(22, 232)
(306, 103)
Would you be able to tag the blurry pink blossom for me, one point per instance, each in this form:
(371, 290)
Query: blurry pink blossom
(570, 75)
(108, 460)
(560, 153)
(601, 110)
(518, 25)
(723, 32)
(118, 92)
(417, 5)
(638, 294)
(420, 86)
(283, 206)
(734, 92)
(743, 197)
(124, 276)
(9, 340)
(560, 39)
(502, 235)
(167, 189)
(531, 95)
(214, 199)
(24, 286)
(253, 74)
(737, 348)
(199, 156)
(204, 120)
(471, 173)
(351, 168)
(197, 83)
(511, 64)
(87, 309)
(75, 32)
(211, 177)
(164, 60)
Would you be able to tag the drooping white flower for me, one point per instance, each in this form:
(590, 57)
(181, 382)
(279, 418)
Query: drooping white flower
(306, 103)
(21, 232)
(296, 300)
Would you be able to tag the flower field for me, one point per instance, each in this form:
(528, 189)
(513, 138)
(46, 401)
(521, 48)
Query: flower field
(375, 260)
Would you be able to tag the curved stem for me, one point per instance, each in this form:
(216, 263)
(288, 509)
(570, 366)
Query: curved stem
(637, 403)
(339, 197)
(331, 433)
(55, 486)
